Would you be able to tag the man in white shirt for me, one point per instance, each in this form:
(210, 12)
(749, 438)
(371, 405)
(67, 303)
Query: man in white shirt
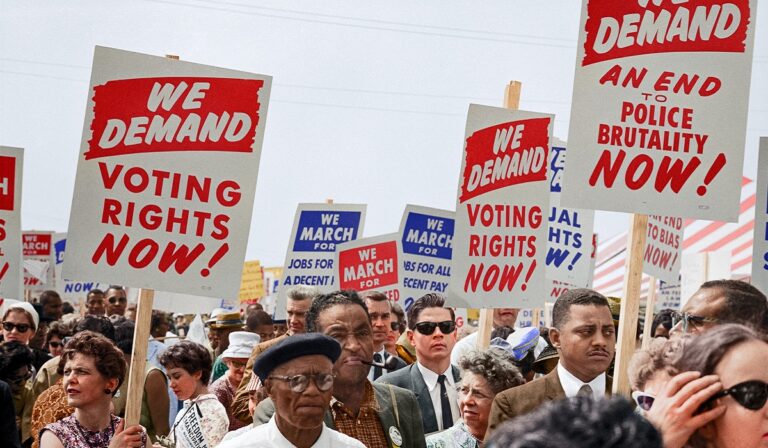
(585, 337)
(297, 373)
(433, 379)
(380, 313)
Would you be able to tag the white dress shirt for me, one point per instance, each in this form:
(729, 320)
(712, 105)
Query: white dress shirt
(430, 378)
(571, 384)
(269, 436)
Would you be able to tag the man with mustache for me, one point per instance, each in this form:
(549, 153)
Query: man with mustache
(376, 414)
(432, 378)
(585, 338)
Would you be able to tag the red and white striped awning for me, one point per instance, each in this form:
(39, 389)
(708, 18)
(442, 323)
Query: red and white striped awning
(700, 236)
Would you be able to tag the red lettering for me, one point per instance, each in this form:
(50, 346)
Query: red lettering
(109, 250)
(675, 174)
(180, 258)
(607, 168)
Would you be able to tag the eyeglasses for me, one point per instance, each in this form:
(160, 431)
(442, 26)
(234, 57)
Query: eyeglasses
(750, 394)
(691, 320)
(395, 326)
(115, 299)
(21, 328)
(55, 344)
(644, 401)
(299, 383)
(427, 328)
(19, 380)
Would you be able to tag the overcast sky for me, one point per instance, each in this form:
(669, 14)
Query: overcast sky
(368, 104)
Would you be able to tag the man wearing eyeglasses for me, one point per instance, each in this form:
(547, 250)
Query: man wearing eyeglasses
(297, 373)
(432, 378)
(722, 302)
(116, 300)
(380, 313)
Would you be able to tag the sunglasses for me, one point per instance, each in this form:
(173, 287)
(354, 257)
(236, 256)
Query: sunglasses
(55, 344)
(21, 328)
(114, 300)
(750, 394)
(691, 320)
(299, 383)
(427, 328)
(395, 326)
(644, 401)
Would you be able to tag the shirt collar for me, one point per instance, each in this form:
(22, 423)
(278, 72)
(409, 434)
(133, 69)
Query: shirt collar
(369, 401)
(571, 384)
(279, 440)
(430, 377)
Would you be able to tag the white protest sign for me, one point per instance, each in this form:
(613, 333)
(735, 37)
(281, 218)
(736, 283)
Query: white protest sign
(659, 110)
(760, 240)
(668, 296)
(699, 267)
(71, 291)
(11, 274)
(570, 230)
(664, 248)
(166, 175)
(317, 230)
(500, 239)
(37, 248)
(370, 264)
(426, 237)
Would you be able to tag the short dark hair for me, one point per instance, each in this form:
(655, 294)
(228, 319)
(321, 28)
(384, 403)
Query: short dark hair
(57, 329)
(158, 317)
(376, 296)
(67, 308)
(430, 300)
(189, 356)
(577, 296)
(397, 310)
(93, 292)
(13, 356)
(97, 324)
(256, 319)
(578, 422)
(124, 329)
(325, 301)
(663, 317)
(48, 295)
(744, 304)
(107, 358)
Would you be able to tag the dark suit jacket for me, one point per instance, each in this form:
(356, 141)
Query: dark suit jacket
(410, 378)
(524, 399)
(407, 420)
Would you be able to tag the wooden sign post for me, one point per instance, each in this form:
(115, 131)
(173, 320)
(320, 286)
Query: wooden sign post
(650, 305)
(630, 303)
(511, 102)
(136, 373)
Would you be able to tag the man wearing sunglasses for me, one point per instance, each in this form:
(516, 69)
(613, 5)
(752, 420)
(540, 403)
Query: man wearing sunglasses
(297, 373)
(720, 302)
(116, 300)
(432, 378)
(585, 338)
(380, 313)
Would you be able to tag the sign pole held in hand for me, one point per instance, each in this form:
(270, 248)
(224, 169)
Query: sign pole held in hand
(650, 305)
(485, 326)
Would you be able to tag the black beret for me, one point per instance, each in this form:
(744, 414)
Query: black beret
(294, 347)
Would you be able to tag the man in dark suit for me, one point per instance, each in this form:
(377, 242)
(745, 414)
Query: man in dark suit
(432, 378)
(585, 338)
(377, 415)
(380, 312)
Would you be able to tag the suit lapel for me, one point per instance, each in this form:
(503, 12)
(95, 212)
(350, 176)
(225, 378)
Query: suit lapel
(553, 389)
(423, 397)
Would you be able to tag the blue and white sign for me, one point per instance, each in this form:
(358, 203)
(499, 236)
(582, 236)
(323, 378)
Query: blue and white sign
(317, 231)
(760, 239)
(70, 291)
(426, 236)
(569, 247)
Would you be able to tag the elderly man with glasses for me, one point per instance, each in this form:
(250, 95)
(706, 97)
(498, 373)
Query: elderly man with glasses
(297, 374)
(433, 379)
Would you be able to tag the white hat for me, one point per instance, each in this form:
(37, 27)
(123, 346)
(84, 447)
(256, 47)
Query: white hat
(26, 306)
(215, 313)
(241, 344)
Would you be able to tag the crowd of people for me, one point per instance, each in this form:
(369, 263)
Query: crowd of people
(356, 370)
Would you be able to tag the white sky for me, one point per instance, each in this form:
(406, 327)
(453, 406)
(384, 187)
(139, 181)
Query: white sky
(369, 98)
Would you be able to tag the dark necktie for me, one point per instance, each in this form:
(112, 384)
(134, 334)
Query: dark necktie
(585, 391)
(377, 369)
(445, 404)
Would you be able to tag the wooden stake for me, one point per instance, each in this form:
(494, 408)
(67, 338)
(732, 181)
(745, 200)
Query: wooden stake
(630, 303)
(650, 304)
(139, 357)
(511, 102)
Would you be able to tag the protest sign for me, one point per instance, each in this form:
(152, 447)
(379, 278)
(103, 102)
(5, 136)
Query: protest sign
(668, 296)
(500, 235)
(659, 110)
(370, 264)
(166, 175)
(317, 231)
(760, 240)
(11, 169)
(73, 292)
(37, 248)
(663, 248)
(426, 237)
(570, 230)
(251, 282)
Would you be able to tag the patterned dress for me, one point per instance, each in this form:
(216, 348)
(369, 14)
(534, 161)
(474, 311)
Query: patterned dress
(209, 420)
(72, 435)
(457, 436)
(225, 392)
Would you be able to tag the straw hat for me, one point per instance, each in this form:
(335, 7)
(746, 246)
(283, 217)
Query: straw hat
(227, 320)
